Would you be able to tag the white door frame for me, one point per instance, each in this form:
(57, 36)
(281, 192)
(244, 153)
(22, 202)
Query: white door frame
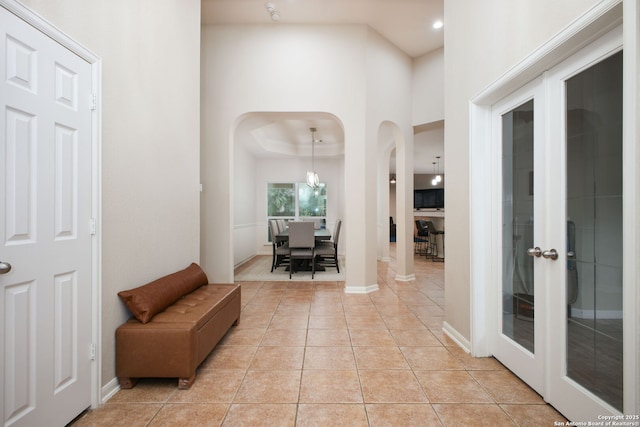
(61, 38)
(603, 17)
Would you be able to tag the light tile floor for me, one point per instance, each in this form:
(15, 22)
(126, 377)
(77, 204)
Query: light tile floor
(307, 354)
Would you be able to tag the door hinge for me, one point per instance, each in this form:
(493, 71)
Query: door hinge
(94, 101)
(92, 352)
(92, 226)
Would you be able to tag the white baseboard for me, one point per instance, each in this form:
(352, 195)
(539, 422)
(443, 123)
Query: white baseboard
(464, 343)
(361, 289)
(405, 278)
(109, 389)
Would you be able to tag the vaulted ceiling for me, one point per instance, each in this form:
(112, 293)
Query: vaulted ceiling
(408, 24)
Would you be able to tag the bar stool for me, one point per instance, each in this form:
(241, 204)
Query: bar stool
(421, 238)
(433, 241)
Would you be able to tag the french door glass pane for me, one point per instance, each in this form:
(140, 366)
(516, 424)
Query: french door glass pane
(594, 229)
(517, 225)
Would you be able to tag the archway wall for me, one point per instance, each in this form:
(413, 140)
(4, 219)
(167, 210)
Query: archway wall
(390, 138)
(389, 100)
(289, 68)
(252, 175)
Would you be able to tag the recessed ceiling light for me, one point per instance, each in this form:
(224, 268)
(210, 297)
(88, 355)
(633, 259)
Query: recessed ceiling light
(437, 25)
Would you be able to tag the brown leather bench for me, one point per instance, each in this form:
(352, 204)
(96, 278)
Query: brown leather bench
(178, 319)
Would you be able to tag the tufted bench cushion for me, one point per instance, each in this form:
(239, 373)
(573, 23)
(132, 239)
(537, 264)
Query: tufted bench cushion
(199, 306)
(175, 341)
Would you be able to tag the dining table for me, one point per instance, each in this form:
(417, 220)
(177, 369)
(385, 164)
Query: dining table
(319, 234)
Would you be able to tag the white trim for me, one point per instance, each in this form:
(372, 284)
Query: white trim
(45, 27)
(631, 205)
(251, 225)
(110, 389)
(600, 19)
(96, 184)
(457, 337)
(42, 25)
(361, 289)
(405, 278)
(480, 202)
(249, 258)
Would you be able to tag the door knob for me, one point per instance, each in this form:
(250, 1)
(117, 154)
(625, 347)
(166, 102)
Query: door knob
(5, 267)
(536, 252)
(550, 254)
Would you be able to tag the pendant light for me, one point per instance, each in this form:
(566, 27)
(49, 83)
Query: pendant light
(434, 181)
(312, 176)
(438, 178)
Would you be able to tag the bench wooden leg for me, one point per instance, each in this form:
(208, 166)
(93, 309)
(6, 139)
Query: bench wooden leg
(237, 322)
(186, 383)
(127, 383)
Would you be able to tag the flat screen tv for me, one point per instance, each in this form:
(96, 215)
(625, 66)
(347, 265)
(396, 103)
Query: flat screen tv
(431, 198)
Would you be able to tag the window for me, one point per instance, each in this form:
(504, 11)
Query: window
(312, 203)
(281, 199)
(296, 202)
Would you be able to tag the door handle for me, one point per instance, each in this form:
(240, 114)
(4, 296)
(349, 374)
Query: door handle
(550, 254)
(536, 252)
(5, 267)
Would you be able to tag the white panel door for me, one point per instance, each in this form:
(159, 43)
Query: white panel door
(45, 213)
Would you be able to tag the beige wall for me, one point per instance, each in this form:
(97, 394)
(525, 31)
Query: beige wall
(482, 41)
(150, 53)
(428, 88)
(299, 68)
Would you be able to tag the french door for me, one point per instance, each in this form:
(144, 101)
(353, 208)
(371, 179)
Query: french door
(561, 319)
(519, 119)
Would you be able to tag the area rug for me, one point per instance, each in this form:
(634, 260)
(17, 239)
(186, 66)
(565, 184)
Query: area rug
(258, 269)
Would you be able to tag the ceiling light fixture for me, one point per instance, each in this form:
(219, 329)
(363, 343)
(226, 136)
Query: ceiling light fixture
(271, 8)
(437, 25)
(312, 176)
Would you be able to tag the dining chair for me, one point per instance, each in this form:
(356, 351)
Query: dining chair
(301, 245)
(282, 225)
(280, 250)
(327, 250)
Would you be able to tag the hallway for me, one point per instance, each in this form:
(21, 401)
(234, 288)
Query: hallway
(306, 354)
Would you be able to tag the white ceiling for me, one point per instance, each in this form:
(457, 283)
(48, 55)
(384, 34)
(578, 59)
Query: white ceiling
(408, 24)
